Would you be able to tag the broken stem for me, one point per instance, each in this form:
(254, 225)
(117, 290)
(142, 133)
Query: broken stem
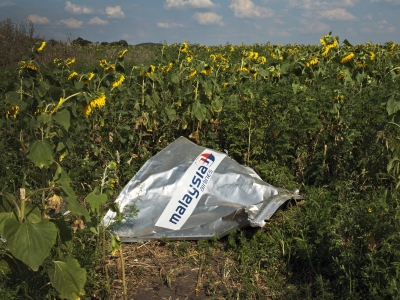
(197, 289)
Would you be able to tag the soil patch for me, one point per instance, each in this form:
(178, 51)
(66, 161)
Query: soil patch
(173, 270)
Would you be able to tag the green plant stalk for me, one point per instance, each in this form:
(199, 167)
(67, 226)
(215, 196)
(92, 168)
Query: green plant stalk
(197, 89)
(43, 194)
(103, 242)
(13, 202)
(123, 272)
(22, 213)
(249, 143)
(103, 234)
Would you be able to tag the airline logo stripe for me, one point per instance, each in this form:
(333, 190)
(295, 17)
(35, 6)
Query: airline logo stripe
(194, 183)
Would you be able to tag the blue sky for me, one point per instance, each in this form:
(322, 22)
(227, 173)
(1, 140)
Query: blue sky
(210, 22)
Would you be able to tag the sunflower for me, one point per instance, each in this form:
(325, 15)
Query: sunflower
(109, 68)
(167, 69)
(191, 74)
(189, 58)
(103, 62)
(58, 62)
(28, 66)
(122, 53)
(119, 81)
(219, 55)
(262, 60)
(42, 45)
(253, 55)
(243, 69)
(372, 57)
(13, 111)
(88, 78)
(347, 58)
(58, 105)
(72, 75)
(150, 71)
(312, 62)
(70, 61)
(207, 70)
(97, 102)
(185, 47)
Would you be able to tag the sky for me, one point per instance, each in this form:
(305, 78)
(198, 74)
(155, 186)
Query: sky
(210, 22)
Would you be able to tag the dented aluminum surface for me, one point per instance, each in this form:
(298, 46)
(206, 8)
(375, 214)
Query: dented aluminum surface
(190, 192)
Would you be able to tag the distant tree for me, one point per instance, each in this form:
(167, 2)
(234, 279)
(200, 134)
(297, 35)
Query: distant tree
(123, 43)
(104, 43)
(81, 42)
(119, 43)
(149, 44)
(53, 42)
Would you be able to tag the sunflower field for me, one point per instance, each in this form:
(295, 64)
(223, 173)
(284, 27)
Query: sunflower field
(320, 118)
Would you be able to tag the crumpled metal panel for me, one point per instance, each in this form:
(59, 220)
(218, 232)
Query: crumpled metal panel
(179, 190)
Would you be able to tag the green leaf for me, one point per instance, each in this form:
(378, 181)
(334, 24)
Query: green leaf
(32, 213)
(347, 43)
(149, 101)
(41, 153)
(12, 96)
(392, 106)
(175, 79)
(68, 278)
(43, 88)
(171, 113)
(155, 97)
(30, 243)
(3, 217)
(4, 267)
(78, 85)
(72, 203)
(63, 229)
(217, 105)
(61, 177)
(63, 118)
(95, 201)
(360, 77)
(199, 111)
(295, 87)
(56, 93)
(5, 205)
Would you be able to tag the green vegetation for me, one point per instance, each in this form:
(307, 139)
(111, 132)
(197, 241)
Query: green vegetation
(320, 118)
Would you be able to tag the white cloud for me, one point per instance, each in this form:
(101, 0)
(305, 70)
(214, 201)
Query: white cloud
(369, 17)
(247, 9)
(317, 5)
(189, 3)
(78, 9)
(97, 21)
(7, 3)
(115, 12)
(208, 18)
(384, 27)
(169, 25)
(351, 31)
(388, 1)
(337, 14)
(72, 23)
(366, 30)
(37, 19)
(313, 26)
(277, 32)
(278, 21)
